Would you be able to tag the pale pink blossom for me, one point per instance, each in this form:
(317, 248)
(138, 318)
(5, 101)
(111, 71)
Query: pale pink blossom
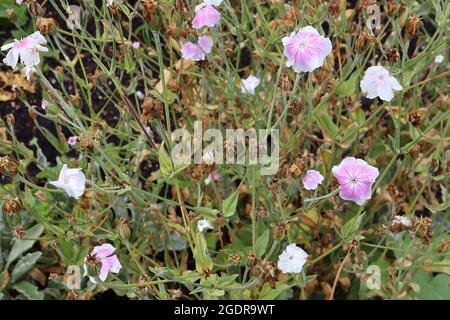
(148, 130)
(378, 82)
(205, 15)
(44, 104)
(197, 51)
(26, 49)
(355, 178)
(19, 2)
(249, 85)
(72, 181)
(72, 140)
(136, 44)
(306, 50)
(104, 254)
(292, 259)
(312, 179)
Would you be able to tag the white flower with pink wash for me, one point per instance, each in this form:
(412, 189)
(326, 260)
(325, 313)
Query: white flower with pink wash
(205, 15)
(306, 49)
(27, 50)
(378, 82)
(355, 178)
(312, 179)
(103, 255)
(197, 51)
(249, 85)
(72, 181)
(292, 259)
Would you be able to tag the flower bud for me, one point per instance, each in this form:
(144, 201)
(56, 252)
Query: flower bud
(123, 229)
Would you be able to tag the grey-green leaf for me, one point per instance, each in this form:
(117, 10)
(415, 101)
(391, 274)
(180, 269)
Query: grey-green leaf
(29, 290)
(229, 204)
(24, 265)
(21, 246)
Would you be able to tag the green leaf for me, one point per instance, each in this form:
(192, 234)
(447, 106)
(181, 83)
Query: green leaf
(206, 212)
(327, 125)
(352, 226)
(229, 204)
(20, 246)
(261, 243)
(431, 288)
(29, 290)
(201, 254)
(348, 88)
(24, 265)
(165, 164)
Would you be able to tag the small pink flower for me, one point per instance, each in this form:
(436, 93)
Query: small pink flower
(214, 176)
(72, 140)
(205, 15)
(197, 52)
(355, 178)
(44, 104)
(109, 261)
(306, 50)
(312, 179)
(148, 130)
(136, 44)
(378, 82)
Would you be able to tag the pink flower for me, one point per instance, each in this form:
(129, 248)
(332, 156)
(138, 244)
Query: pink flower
(205, 15)
(197, 52)
(355, 178)
(136, 44)
(306, 50)
(312, 179)
(378, 82)
(44, 104)
(72, 140)
(26, 49)
(108, 260)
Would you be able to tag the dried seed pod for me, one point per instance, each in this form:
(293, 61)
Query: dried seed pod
(45, 25)
(8, 166)
(392, 55)
(412, 26)
(11, 206)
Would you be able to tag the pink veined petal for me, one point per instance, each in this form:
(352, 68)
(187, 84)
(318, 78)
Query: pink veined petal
(205, 15)
(104, 270)
(113, 263)
(103, 251)
(11, 58)
(205, 43)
